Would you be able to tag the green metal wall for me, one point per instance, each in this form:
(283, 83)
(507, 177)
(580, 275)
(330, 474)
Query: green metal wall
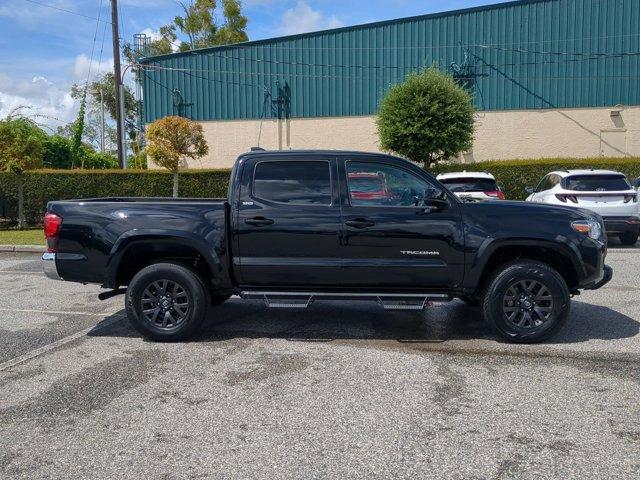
(519, 55)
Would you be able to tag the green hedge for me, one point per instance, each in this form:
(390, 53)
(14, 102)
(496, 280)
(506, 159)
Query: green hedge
(515, 175)
(41, 186)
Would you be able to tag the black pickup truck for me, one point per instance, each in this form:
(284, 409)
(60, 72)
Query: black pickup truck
(300, 226)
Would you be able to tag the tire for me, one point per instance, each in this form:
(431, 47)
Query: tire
(526, 302)
(219, 299)
(166, 302)
(473, 302)
(629, 238)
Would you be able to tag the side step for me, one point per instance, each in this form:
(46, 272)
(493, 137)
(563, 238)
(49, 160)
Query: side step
(302, 300)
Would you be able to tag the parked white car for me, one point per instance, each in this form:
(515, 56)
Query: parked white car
(605, 192)
(472, 186)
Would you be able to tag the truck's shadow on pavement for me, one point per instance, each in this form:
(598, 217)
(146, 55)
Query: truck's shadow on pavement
(327, 321)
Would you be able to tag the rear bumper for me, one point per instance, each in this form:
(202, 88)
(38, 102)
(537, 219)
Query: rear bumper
(607, 274)
(621, 224)
(49, 266)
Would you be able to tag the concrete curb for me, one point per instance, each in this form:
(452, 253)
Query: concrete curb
(23, 248)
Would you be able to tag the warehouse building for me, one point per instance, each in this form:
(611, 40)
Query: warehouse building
(548, 77)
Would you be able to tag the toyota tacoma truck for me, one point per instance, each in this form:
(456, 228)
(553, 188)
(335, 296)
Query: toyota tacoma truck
(294, 229)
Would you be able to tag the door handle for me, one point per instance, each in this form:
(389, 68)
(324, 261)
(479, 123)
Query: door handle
(259, 221)
(359, 223)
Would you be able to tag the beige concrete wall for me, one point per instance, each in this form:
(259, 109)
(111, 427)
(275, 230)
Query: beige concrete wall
(501, 135)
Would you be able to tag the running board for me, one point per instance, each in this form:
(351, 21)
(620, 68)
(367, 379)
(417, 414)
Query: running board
(302, 300)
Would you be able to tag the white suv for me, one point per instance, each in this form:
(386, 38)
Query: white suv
(472, 186)
(605, 192)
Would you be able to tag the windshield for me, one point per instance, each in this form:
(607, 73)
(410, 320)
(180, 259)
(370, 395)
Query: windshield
(470, 184)
(364, 184)
(596, 183)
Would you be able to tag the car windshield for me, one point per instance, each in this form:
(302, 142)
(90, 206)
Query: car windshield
(470, 184)
(366, 184)
(596, 183)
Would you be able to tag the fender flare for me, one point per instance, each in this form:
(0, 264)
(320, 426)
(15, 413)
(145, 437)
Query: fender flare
(127, 240)
(489, 246)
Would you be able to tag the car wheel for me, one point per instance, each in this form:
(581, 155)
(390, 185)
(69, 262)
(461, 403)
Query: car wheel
(219, 299)
(166, 302)
(629, 238)
(526, 302)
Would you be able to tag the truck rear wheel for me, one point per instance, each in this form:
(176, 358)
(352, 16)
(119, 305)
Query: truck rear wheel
(526, 302)
(166, 302)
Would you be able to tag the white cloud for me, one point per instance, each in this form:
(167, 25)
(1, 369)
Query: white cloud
(155, 35)
(47, 103)
(82, 64)
(302, 18)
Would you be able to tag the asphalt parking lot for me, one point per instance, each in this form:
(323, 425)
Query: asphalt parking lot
(342, 390)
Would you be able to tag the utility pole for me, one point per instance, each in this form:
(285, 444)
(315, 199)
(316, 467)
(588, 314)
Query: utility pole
(118, 81)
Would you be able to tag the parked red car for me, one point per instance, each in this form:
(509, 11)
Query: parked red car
(369, 186)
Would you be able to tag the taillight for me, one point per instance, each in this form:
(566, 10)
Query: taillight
(52, 224)
(495, 194)
(631, 196)
(563, 198)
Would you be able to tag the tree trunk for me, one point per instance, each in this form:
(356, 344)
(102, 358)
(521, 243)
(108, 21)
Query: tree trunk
(20, 202)
(175, 185)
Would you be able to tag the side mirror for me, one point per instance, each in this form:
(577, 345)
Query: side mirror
(529, 190)
(435, 197)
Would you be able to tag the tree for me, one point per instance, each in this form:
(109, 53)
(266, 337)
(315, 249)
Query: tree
(427, 118)
(171, 140)
(76, 138)
(103, 90)
(200, 27)
(21, 148)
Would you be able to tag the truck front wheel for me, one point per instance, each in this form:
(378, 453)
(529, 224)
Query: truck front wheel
(526, 301)
(166, 302)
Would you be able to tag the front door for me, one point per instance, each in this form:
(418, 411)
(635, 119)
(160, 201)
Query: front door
(288, 222)
(390, 239)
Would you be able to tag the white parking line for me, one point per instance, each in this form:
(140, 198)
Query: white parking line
(22, 272)
(47, 348)
(54, 312)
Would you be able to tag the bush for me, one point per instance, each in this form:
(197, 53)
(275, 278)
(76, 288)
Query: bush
(42, 186)
(57, 152)
(98, 160)
(514, 175)
(137, 161)
(427, 118)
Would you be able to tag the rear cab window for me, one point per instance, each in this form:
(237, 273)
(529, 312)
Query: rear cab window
(596, 183)
(306, 182)
(470, 184)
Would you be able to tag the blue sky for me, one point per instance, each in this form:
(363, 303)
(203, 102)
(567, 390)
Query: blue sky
(46, 50)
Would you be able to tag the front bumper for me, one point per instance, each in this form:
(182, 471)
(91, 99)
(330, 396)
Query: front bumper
(621, 224)
(49, 266)
(607, 274)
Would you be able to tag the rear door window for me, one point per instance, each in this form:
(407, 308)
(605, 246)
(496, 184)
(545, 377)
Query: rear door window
(295, 183)
(597, 183)
(469, 184)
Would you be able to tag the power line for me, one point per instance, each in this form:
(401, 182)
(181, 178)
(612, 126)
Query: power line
(66, 11)
(93, 45)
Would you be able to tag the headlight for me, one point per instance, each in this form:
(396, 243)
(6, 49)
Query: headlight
(588, 227)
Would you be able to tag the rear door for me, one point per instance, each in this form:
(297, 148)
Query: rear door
(288, 222)
(389, 240)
